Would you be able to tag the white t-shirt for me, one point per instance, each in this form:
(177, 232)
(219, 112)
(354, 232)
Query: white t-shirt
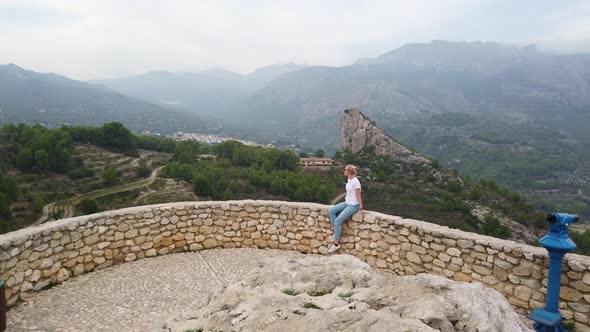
(351, 186)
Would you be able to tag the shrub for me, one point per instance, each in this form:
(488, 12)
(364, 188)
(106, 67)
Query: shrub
(309, 305)
(493, 227)
(319, 292)
(82, 172)
(345, 294)
(143, 171)
(227, 194)
(89, 206)
(249, 188)
(202, 185)
(394, 190)
(110, 175)
(289, 291)
(454, 186)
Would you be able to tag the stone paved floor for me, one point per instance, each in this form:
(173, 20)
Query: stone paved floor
(136, 296)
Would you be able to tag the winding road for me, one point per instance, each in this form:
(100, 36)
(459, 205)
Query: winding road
(68, 205)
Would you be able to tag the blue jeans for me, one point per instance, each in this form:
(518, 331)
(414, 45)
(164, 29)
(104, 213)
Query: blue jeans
(338, 215)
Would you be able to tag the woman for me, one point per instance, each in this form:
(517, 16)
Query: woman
(351, 205)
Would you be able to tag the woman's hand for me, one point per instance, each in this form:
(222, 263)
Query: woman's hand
(364, 211)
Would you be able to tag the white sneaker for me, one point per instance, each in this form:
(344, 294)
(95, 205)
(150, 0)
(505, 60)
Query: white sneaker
(334, 247)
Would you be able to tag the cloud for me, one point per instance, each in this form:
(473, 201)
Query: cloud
(105, 38)
(114, 37)
(570, 29)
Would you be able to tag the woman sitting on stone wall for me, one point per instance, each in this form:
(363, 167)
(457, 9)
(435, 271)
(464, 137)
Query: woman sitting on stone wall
(352, 204)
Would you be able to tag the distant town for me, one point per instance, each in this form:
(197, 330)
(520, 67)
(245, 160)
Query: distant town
(216, 139)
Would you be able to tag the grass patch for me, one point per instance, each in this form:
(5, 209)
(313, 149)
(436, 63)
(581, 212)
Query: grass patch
(50, 285)
(345, 294)
(570, 325)
(319, 292)
(309, 305)
(289, 291)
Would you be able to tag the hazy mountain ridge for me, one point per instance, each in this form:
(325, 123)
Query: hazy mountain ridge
(514, 114)
(51, 99)
(459, 77)
(211, 93)
(487, 79)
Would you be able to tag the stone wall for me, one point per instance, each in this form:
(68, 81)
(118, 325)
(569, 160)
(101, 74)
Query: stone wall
(34, 258)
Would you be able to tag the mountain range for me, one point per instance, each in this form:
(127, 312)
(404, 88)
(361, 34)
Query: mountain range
(489, 80)
(515, 114)
(54, 100)
(209, 93)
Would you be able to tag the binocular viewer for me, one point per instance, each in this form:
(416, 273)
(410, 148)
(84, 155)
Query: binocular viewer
(558, 237)
(562, 218)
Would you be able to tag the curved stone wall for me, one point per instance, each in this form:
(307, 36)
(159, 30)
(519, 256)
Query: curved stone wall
(34, 258)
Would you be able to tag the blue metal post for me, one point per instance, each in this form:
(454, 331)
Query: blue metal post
(554, 281)
(2, 306)
(557, 243)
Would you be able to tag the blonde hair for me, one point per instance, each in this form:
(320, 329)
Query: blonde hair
(351, 169)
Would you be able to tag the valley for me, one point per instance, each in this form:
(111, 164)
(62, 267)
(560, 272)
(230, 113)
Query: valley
(110, 168)
(501, 116)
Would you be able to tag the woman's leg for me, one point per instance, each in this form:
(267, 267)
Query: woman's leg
(348, 211)
(334, 210)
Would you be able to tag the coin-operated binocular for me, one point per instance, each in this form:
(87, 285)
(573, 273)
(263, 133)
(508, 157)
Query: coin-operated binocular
(558, 243)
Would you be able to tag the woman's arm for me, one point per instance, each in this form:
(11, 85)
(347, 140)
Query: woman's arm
(359, 199)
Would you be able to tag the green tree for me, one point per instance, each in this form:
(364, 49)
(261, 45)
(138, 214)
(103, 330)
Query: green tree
(89, 206)
(227, 194)
(115, 135)
(25, 159)
(41, 159)
(143, 171)
(337, 154)
(82, 172)
(493, 227)
(300, 194)
(275, 186)
(8, 186)
(454, 186)
(302, 154)
(288, 160)
(187, 151)
(234, 186)
(319, 153)
(219, 187)
(475, 193)
(435, 164)
(202, 185)
(4, 205)
(179, 171)
(350, 158)
(226, 149)
(249, 188)
(38, 202)
(110, 175)
(324, 194)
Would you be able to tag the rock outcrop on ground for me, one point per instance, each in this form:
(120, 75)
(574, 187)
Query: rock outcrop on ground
(341, 293)
(360, 134)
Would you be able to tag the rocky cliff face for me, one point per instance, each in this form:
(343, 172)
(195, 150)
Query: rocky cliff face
(360, 134)
(342, 293)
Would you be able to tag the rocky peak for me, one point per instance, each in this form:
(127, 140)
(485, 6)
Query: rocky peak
(360, 134)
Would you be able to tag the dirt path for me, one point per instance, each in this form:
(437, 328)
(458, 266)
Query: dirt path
(68, 205)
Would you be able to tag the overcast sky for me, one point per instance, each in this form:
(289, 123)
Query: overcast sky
(86, 39)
